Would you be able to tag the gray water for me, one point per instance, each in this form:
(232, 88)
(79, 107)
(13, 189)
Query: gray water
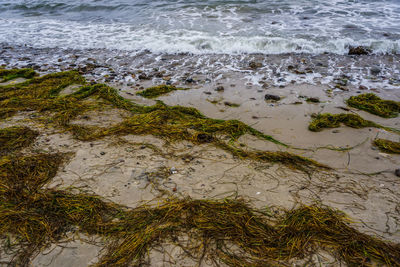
(203, 27)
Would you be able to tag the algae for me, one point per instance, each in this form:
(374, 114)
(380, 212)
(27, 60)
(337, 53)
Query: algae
(156, 91)
(33, 217)
(326, 120)
(10, 74)
(173, 123)
(387, 146)
(375, 105)
(15, 138)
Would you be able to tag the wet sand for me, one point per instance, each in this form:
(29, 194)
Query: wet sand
(132, 170)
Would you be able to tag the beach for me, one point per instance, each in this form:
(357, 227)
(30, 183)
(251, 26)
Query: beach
(237, 140)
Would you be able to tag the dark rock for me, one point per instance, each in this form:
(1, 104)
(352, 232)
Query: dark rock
(313, 99)
(102, 153)
(143, 76)
(359, 50)
(204, 138)
(189, 80)
(362, 87)
(375, 70)
(255, 65)
(272, 97)
(397, 172)
(207, 93)
(220, 88)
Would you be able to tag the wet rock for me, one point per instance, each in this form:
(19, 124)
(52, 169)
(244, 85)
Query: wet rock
(362, 87)
(207, 93)
(143, 76)
(173, 170)
(313, 99)
(204, 138)
(229, 104)
(397, 172)
(189, 80)
(272, 97)
(102, 153)
(375, 70)
(359, 50)
(255, 65)
(335, 131)
(220, 88)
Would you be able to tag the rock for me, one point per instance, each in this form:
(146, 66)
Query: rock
(102, 153)
(397, 172)
(362, 87)
(272, 97)
(335, 131)
(189, 80)
(255, 65)
(207, 93)
(173, 170)
(375, 70)
(220, 88)
(313, 99)
(143, 76)
(359, 50)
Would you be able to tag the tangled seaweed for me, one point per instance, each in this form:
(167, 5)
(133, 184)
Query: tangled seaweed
(387, 146)
(375, 105)
(15, 138)
(230, 231)
(173, 123)
(327, 120)
(7, 75)
(156, 91)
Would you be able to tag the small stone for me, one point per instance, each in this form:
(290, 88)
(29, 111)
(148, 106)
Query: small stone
(102, 153)
(173, 170)
(220, 88)
(359, 50)
(272, 97)
(189, 80)
(362, 87)
(255, 65)
(335, 131)
(397, 172)
(375, 70)
(207, 93)
(313, 99)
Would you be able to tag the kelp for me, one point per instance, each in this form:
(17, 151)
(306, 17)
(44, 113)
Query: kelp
(32, 217)
(10, 74)
(156, 91)
(387, 146)
(15, 138)
(327, 120)
(375, 105)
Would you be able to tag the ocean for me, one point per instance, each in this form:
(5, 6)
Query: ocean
(204, 27)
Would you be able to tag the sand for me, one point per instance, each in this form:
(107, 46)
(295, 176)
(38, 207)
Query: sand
(132, 170)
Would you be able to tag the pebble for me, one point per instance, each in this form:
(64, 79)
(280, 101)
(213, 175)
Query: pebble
(102, 153)
(397, 172)
(173, 170)
(272, 97)
(220, 88)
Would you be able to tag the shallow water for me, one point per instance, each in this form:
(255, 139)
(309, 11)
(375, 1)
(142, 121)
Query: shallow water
(212, 26)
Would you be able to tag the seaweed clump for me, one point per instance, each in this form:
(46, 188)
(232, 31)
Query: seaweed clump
(375, 105)
(15, 138)
(32, 217)
(387, 146)
(326, 120)
(156, 91)
(10, 74)
(173, 123)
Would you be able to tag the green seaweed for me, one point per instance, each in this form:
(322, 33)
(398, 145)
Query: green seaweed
(15, 138)
(388, 146)
(10, 74)
(375, 105)
(326, 120)
(156, 91)
(32, 217)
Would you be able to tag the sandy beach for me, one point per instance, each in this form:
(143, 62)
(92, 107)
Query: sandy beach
(134, 169)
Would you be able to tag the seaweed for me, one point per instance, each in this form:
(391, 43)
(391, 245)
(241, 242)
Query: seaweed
(327, 120)
(10, 74)
(387, 146)
(32, 217)
(156, 91)
(15, 138)
(173, 123)
(375, 105)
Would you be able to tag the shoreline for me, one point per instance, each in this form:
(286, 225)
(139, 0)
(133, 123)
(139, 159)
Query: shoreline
(116, 169)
